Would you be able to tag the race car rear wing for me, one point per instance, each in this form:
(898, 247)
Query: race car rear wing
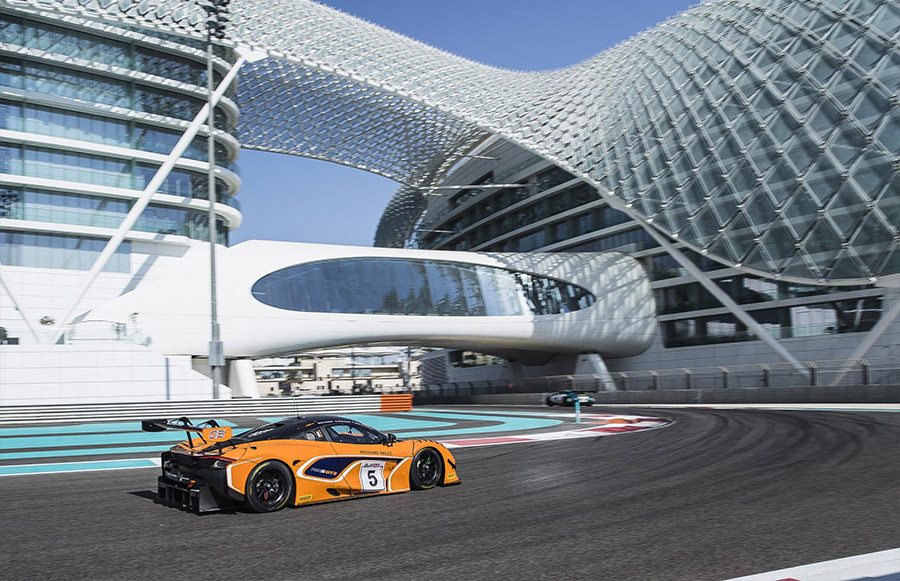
(213, 432)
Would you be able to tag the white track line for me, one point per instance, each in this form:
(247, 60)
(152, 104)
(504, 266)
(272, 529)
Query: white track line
(631, 425)
(817, 407)
(882, 565)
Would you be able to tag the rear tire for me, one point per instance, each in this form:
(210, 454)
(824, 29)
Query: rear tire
(426, 470)
(269, 487)
(550, 402)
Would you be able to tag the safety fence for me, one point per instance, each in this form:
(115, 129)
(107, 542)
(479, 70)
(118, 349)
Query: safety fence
(205, 409)
(883, 371)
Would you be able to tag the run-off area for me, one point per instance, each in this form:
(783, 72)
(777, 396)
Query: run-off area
(46, 449)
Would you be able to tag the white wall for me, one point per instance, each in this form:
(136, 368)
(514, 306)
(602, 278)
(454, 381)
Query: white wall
(43, 292)
(93, 372)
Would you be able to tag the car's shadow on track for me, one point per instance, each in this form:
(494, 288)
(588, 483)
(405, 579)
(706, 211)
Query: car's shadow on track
(148, 494)
(154, 497)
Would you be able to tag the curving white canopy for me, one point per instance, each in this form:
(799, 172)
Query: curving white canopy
(764, 134)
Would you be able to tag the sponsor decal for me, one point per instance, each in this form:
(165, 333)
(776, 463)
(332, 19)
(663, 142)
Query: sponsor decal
(305, 497)
(322, 471)
(330, 468)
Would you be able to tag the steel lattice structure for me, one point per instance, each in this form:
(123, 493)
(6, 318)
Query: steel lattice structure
(763, 134)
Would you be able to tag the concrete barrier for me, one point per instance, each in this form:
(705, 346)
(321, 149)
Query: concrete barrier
(837, 394)
(201, 410)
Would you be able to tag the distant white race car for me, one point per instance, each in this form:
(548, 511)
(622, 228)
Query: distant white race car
(569, 398)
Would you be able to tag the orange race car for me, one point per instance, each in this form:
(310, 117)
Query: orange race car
(294, 461)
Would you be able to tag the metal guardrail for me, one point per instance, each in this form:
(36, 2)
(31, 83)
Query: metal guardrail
(61, 413)
(884, 371)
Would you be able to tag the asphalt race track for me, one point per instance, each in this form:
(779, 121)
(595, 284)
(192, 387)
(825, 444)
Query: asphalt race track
(719, 494)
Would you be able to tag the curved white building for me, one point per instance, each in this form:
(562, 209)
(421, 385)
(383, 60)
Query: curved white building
(282, 297)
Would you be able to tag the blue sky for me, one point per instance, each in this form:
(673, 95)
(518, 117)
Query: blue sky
(295, 199)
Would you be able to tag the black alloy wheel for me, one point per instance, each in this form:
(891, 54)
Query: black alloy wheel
(269, 487)
(427, 469)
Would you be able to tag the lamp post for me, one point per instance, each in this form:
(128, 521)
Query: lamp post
(217, 17)
(406, 385)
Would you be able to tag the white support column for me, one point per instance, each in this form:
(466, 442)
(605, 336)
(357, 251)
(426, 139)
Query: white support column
(726, 300)
(514, 371)
(242, 379)
(18, 306)
(141, 203)
(593, 364)
(878, 330)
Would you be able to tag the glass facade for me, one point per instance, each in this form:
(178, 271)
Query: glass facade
(86, 210)
(573, 219)
(57, 41)
(58, 251)
(58, 73)
(55, 122)
(392, 286)
(473, 359)
(815, 319)
(745, 290)
(761, 133)
(93, 88)
(499, 213)
(99, 170)
(96, 48)
(764, 134)
(628, 241)
(740, 130)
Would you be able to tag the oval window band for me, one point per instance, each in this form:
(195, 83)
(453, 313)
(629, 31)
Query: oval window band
(416, 287)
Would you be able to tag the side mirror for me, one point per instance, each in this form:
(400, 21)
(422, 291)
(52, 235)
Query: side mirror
(389, 439)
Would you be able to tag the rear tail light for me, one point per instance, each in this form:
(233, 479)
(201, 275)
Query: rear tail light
(215, 461)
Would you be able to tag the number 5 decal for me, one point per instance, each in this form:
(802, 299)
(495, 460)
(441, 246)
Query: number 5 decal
(371, 476)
